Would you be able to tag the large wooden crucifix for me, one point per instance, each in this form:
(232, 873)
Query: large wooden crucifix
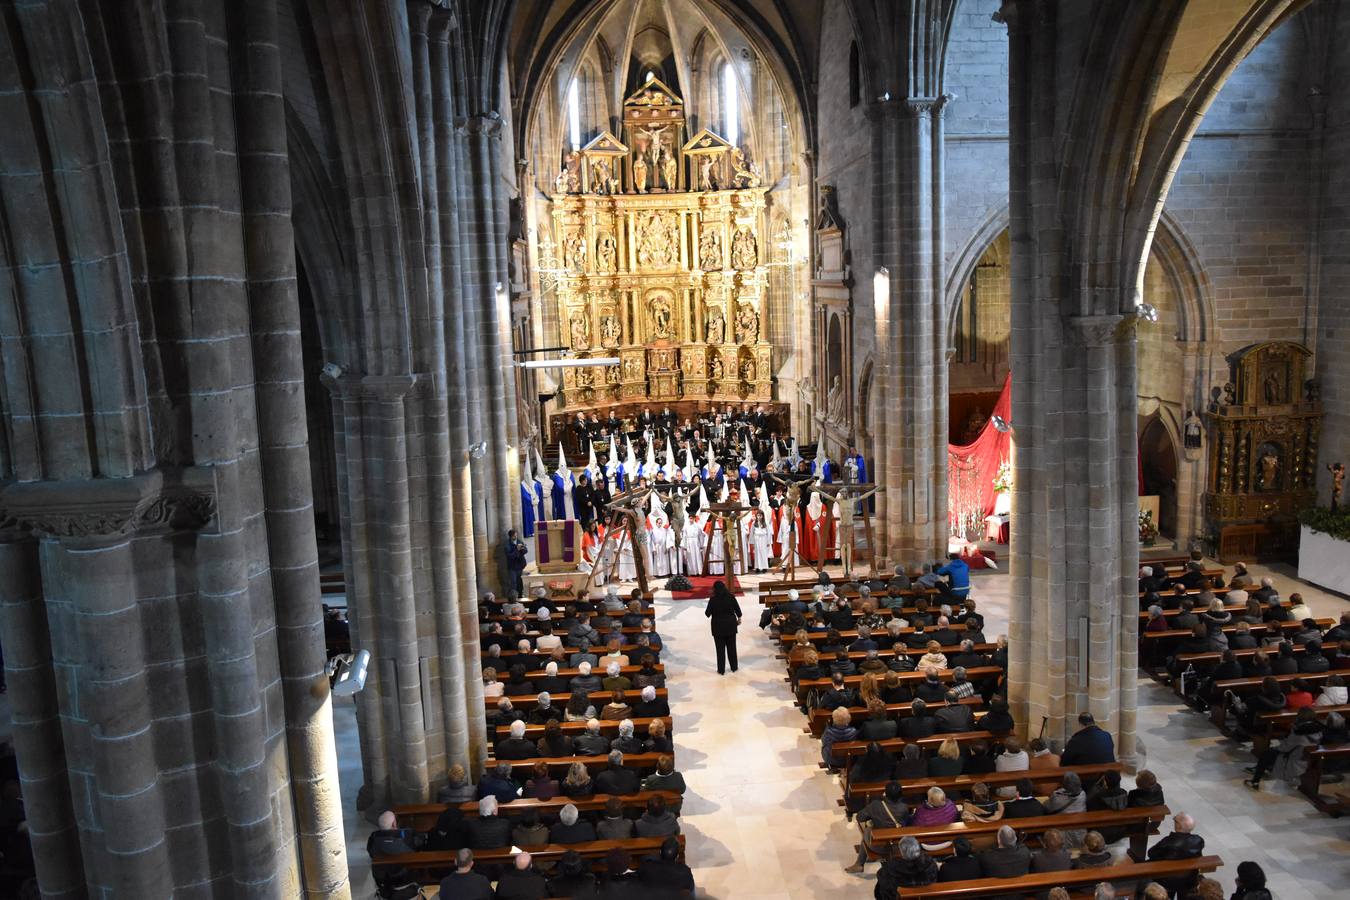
(625, 525)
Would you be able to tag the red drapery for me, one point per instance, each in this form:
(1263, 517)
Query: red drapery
(971, 469)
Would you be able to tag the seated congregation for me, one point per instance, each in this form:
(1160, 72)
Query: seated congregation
(580, 796)
(904, 692)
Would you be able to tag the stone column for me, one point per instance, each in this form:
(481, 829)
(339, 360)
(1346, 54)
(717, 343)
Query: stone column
(911, 418)
(1075, 551)
(374, 480)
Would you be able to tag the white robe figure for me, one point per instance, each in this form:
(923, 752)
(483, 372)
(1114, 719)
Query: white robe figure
(568, 482)
(630, 467)
(786, 540)
(606, 562)
(689, 467)
(660, 542)
(627, 564)
(670, 468)
(693, 544)
(717, 550)
(761, 542)
(612, 469)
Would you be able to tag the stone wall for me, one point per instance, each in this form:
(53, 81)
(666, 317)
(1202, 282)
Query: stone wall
(1333, 320)
(844, 159)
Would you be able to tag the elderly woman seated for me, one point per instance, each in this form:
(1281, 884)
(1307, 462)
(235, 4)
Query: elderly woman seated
(626, 742)
(657, 740)
(934, 658)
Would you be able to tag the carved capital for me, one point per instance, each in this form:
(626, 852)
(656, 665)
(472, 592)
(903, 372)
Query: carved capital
(100, 509)
(380, 388)
(1097, 331)
(488, 125)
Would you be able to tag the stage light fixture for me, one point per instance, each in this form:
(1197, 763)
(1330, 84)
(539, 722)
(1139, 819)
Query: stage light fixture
(478, 450)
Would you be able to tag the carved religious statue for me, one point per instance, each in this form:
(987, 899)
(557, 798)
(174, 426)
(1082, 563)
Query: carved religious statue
(655, 241)
(709, 250)
(576, 253)
(602, 178)
(707, 179)
(670, 169)
(569, 179)
(612, 374)
(748, 370)
(585, 378)
(640, 174)
(745, 174)
(660, 317)
(834, 401)
(717, 327)
(581, 331)
(606, 252)
(1271, 389)
(717, 370)
(1337, 471)
(609, 331)
(747, 324)
(1268, 465)
(632, 369)
(1192, 432)
(744, 253)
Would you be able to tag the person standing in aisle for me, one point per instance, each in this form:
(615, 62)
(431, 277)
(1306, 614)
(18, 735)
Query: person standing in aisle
(725, 614)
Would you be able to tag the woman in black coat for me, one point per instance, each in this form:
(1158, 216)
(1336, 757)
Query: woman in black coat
(725, 614)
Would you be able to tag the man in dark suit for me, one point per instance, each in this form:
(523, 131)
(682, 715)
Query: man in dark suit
(1026, 805)
(919, 724)
(955, 716)
(944, 634)
(1180, 844)
(515, 746)
(464, 882)
(666, 870)
(571, 828)
(488, 831)
(616, 778)
(1008, 860)
(725, 614)
(1090, 746)
(521, 882)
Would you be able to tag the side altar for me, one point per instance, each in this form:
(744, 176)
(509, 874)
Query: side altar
(657, 259)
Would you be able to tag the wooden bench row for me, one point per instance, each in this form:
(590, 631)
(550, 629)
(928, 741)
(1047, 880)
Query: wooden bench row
(1128, 877)
(422, 816)
(976, 674)
(430, 866)
(522, 768)
(1310, 785)
(819, 719)
(858, 794)
(529, 701)
(608, 728)
(1138, 823)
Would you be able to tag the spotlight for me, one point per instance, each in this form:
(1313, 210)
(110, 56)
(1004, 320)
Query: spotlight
(1147, 312)
(478, 450)
(1000, 424)
(348, 672)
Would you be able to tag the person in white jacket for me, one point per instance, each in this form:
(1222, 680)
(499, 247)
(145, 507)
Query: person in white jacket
(1333, 692)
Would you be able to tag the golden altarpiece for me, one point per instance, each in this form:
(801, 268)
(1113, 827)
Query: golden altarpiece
(658, 256)
(1262, 429)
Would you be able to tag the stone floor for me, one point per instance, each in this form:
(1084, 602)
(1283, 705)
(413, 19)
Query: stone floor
(762, 819)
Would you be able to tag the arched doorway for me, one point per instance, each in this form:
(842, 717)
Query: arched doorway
(1158, 472)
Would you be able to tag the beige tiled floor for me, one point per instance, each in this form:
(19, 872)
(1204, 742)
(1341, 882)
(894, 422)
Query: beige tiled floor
(762, 820)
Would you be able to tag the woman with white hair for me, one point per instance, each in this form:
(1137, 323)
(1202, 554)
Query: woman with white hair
(615, 680)
(907, 866)
(651, 706)
(626, 742)
(544, 711)
(584, 682)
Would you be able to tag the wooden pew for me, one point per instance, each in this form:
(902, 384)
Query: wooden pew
(523, 768)
(1277, 724)
(1310, 785)
(858, 794)
(850, 635)
(1170, 611)
(528, 701)
(850, 749)
(825, 658)
(1038, 883)
(430, 866)
(609, 728)
(1139, 823)
(819, 719)
(558, 615)
(1218, 711)
(422, 816)
(976, 674)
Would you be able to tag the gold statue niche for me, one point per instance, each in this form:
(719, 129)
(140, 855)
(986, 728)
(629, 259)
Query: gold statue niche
(669, 231)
